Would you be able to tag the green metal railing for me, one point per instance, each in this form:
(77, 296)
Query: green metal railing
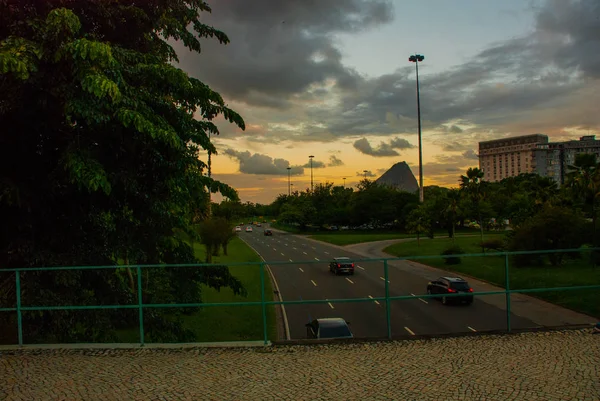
(264, 303)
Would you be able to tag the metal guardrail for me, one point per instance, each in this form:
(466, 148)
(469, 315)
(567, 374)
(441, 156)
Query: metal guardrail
(263, 303)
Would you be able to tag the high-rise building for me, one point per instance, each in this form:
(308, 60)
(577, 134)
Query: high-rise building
(509, 157)
(502, 158)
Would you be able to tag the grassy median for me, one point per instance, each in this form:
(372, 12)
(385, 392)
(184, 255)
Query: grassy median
(234, 323)
(573, 272)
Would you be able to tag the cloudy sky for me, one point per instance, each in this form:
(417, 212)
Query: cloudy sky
(331, 78)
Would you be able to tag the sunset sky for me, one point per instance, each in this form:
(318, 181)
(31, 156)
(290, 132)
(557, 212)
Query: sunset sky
(331, 78)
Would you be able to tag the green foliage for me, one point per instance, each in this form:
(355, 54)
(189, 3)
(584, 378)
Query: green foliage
(495, 244)
(554, 227)
(100, 163)
(453, 250)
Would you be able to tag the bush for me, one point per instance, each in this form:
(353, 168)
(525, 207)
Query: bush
(496, 244)
(453, 250)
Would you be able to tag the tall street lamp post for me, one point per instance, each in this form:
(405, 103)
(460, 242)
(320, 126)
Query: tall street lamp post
(365, 171)
(311, 175)
(344, 182)
(416, 58)
(289, 169)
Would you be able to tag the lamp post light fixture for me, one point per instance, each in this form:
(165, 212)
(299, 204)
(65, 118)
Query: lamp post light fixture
(289, 169)
(365, 171)
(416, 58)
(311, 174)
(344, 182)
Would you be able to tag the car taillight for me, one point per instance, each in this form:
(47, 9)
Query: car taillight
(451, 290)
(339, 265)
(352, 264)
(470, 290)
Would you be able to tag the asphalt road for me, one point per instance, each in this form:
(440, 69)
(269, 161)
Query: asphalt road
(307, 277)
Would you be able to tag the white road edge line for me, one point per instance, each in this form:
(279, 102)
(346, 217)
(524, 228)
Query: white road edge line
(350, 281)
(377, 302)
(312, 281)
(420, 299)
(410, 331)
(472, 329)
(286, 324)
(301, 269)
(360, 267)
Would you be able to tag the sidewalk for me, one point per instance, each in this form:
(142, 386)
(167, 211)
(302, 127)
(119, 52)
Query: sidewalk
(534, 309)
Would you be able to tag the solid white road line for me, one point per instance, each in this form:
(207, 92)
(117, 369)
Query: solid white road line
(360, 267)
(350, 281)
(316, 258)
(301, 269)
(472, 329)
(420, 299)
(377, 302)
(312, 281)
(409, 330)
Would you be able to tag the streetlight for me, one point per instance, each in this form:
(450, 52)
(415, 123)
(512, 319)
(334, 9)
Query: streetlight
(311, 175)
(415, 59)
(344, 182)
(289, 181)
(365, 171)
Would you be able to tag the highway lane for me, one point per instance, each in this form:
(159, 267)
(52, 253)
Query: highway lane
(303, 280)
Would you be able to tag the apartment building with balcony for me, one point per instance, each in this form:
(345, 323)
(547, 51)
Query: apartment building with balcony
(555, 158)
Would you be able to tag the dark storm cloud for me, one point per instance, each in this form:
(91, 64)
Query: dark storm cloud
(334, 161)
(262, 164)
(282, 53)
(385, 149)
(280, 48)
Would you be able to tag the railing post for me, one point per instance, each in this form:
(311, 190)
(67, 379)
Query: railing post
(140, 304)
(263, 305)
(388, 307)
(507, 292)
(19, 314)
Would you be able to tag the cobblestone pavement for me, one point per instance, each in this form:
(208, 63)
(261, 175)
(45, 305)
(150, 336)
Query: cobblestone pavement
(533, 366)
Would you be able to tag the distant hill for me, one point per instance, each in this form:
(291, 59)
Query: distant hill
(400, 177)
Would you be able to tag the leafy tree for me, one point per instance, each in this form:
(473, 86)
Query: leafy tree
(419, 222)
(584, 180)
(106, 134)
(452, 210)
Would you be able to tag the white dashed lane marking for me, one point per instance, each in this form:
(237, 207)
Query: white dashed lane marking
(312, 281)
(350, 281)
(410, 331)
(305, 253)
(329, 303)
(420, 299)
(377, 302)
(360, 267)
(282, 254)
(317, 259)
(384, 279)
(302, 270)
(470, 328)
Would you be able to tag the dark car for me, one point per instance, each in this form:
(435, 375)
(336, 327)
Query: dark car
(332, 327)
(341, 265)
(451, 285)
(268, 232)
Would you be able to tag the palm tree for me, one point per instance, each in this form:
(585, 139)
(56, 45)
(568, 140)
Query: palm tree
(452, 209)
(584, 179)
(472, 186)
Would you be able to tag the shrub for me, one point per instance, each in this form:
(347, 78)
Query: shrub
(496, 244)
(453, 250)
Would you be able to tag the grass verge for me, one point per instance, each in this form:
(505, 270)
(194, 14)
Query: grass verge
(234, 323)
(574, 272)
